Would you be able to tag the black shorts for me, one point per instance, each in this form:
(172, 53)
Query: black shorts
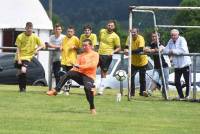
(104, 62)
(25, 63)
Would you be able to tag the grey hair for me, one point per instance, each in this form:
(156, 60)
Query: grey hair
(174, 31)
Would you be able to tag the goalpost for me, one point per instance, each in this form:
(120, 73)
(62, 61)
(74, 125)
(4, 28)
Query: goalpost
(150, 9)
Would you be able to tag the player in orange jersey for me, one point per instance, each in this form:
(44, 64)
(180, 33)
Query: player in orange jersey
(83, 72)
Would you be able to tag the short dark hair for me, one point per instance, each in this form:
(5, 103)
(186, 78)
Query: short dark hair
(57, 25)
(112, 21)
(88, 40)
(71, 27)
(88, 26)
(29, 24)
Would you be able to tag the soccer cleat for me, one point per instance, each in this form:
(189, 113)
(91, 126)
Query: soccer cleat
(93, 111)
(52, 92)
(66, 93)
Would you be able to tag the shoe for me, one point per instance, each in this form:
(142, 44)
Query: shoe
(93, 111)
(145, 93)
(149, 92)
(66, 93)
(187, 98)
(100, 93)
(52, 92)
(61, 92)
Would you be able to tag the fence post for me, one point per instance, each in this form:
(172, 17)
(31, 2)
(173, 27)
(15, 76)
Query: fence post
(194, 78)
(122, 65)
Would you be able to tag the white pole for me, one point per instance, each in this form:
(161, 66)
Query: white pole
(163, 8)
(129, 53)
(160, 59)
(176, 26)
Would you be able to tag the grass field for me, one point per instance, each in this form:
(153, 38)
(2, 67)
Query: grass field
(35, 113)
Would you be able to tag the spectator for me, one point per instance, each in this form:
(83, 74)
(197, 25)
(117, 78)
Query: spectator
(69, 47)
(157, 76)
(55, 42)
(28, 44)
(109, 44)
(175, 46)
(88, 35)
(139, 62)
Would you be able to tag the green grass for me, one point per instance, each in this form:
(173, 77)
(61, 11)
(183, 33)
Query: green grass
(35, 113)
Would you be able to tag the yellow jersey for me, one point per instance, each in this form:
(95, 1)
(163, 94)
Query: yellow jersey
(68, 53)
(138, 60)
(108, 42)
(92, 37)
(27, 46)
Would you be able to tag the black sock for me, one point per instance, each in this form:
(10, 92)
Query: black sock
(22, 82)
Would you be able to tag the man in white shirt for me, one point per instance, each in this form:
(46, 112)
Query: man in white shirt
(178, 45)
(55, 42)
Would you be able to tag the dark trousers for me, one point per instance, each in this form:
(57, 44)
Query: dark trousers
(187, 75)
(81, 79)
(142, 72)
(56, 69)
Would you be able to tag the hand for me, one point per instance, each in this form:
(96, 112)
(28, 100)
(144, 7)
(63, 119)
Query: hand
(147, 50)
(126, 52)
(19, 62)
(76, 65)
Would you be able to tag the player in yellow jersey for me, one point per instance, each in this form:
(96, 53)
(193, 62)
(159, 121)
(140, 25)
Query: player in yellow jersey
(69, 47)
(83, 72)
(28, 44)
(109, 43)
(88, 35)
(139, 62)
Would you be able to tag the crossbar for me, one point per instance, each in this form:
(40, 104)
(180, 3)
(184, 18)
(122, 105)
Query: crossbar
(163, 8)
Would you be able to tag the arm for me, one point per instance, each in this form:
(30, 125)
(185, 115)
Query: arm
(18, 56)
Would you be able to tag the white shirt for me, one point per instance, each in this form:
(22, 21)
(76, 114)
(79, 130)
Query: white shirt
(178, 47)
(56, 41)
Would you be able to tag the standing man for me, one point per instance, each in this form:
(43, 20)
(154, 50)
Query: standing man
(28, 44)
(69, 47)
(109, 44)
(157, 76)
(55, 42)
(139, 62)
(178, 45)
(83, 72)
(88, 35)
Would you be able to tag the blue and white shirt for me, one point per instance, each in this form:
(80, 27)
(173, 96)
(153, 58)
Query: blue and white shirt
(178, 47)
(56, 41)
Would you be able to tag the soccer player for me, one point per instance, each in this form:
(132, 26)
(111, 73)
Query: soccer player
(69, 47)
(139, 62)
(28, 44)
(109, 44)
(88, 35)
(55, 42)
(83, 72)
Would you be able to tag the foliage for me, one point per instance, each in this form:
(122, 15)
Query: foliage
(190, 18)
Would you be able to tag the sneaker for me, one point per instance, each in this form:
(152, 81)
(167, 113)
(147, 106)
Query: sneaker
(61, 92)
(149, 92)
(93, 111)
(66, 93)
(187, 97)
(100, 93)
(52, 92)
(145, 93)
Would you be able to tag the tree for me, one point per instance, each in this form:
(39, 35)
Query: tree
(190, 18)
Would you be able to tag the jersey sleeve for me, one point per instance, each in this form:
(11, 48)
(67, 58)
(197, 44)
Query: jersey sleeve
(117, 41)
